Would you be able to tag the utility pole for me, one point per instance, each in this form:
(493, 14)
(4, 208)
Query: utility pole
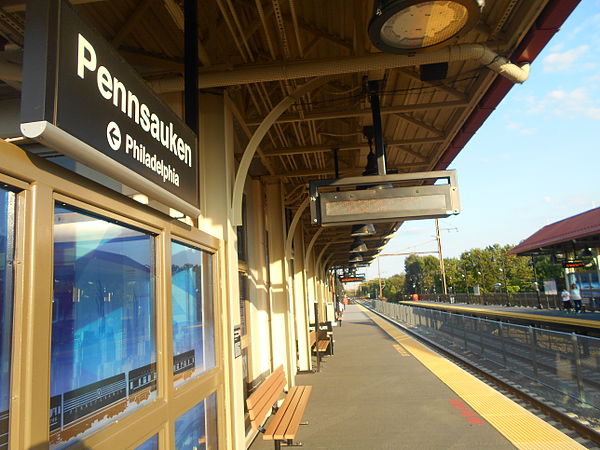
(441, 255)
(379, 278)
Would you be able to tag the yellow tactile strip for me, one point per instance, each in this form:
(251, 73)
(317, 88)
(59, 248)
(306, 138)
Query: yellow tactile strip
(522, 428)
(490, 312)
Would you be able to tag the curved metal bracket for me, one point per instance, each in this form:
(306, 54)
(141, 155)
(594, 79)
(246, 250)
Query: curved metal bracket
(256, 139)
(292, 230)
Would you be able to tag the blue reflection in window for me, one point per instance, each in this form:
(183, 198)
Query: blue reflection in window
(7, 242)
(103, 322)
(190, 429)
(150, 444)
(193, 338)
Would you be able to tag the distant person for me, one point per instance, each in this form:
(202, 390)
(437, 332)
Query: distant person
(576, 297)
(566, 299)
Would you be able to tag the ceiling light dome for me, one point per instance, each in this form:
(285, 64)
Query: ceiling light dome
(358, 246)
(408, 26)
(367, 229)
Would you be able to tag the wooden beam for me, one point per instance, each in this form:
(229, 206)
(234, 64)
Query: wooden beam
(349, 146)
(348, 112)
(143, 59)
(130, 23)
(321, 33)
(21, 5)
(439, 85)
(320, 172)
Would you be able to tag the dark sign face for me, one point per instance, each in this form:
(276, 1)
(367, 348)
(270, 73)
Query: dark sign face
(573, 263)
(91, 93)
(352, 279)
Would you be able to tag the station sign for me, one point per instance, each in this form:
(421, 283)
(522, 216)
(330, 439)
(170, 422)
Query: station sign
(573, 263)
(353, 279)
(81, 98)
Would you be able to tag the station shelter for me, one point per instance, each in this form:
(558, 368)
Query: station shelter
(573, 242)
(161, 246)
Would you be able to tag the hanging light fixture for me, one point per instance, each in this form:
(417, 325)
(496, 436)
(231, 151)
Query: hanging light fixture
(358, 246)
(409, 26)
(366, 229)
(356, 258)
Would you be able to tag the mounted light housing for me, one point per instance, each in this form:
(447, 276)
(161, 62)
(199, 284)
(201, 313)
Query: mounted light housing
(345, 201)
(363, 229)
(358, 246)
(410, 26)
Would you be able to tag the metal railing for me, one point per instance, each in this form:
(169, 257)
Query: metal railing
(560, 367)
(524, 299)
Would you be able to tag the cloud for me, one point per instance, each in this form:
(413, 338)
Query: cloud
(574, 104)
(558, 62)
(520, 128)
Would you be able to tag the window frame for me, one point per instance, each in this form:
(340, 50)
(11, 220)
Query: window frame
(41, 184)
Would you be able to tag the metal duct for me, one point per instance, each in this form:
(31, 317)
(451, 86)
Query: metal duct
(343, 65)
(331, 66)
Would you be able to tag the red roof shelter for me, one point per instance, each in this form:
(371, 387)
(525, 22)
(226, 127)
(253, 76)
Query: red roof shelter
(574, 233)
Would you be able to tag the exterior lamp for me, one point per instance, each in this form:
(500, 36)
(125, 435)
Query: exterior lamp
(358, 246)
(367, 229)
(356, 258)
(410, 26)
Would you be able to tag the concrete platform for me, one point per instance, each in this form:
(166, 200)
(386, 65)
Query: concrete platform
(374, 394)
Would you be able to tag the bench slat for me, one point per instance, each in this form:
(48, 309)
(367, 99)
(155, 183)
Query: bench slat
(322, 345)
(267, 394)
(261, 411)
(289, 420)
(276, 421)
(262, 390)
(292, 428)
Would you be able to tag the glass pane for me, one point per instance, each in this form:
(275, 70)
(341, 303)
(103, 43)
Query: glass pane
(193, 322)
(7, 242)
(150, 444)
(103, 323)
(197, 428)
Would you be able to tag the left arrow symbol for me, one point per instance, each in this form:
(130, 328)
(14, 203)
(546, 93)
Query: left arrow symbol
(113, 136)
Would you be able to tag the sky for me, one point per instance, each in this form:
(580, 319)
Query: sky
(536, 159)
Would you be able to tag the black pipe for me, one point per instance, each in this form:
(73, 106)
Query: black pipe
(336, 162)
(373, 87)
(190, 36)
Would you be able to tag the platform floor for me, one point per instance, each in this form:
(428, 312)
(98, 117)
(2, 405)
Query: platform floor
(380, 391)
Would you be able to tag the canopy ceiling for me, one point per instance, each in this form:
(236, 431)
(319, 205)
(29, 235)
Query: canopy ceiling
(245, 46)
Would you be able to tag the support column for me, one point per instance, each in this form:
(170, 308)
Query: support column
(301, 312)
(216, 179)
(281, 327)
(259, 313)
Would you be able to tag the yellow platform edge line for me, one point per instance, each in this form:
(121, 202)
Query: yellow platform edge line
(521, 427)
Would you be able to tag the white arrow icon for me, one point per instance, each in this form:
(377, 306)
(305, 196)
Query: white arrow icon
(113, 136)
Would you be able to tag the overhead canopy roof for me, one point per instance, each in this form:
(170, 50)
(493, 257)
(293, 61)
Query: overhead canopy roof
(580, 231)
(258, 52)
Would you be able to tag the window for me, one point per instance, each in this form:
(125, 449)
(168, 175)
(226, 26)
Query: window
(150, 444)
(193, 320)
(197, 428)
(7, 242)
(103, 323)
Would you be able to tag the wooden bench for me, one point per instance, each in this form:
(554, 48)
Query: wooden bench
(319, 343)
(284, 425)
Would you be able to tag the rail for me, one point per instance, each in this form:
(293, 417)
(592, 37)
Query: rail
(563, 368)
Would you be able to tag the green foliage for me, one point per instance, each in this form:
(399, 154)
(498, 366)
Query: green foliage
(492, 268)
